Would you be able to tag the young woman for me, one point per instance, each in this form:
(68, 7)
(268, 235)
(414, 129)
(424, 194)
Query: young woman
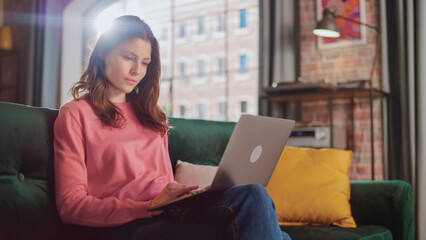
(111, 154)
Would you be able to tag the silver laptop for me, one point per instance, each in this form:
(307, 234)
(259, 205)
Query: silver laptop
(250, 156)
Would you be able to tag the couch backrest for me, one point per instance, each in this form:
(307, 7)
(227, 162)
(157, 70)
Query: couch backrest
(27, 208)
(198, 141)
(27, 198)
(27, 201)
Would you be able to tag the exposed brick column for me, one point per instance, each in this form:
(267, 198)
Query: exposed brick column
(345, 64)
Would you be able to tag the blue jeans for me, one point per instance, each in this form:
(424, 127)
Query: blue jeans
(240, 212)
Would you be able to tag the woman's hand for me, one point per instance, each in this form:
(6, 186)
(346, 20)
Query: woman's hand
(170, 192)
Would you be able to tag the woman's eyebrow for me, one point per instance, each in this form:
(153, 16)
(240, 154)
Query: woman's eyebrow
(129, 52)
(134, 54)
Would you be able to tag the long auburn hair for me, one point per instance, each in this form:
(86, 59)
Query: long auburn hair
(93, 83)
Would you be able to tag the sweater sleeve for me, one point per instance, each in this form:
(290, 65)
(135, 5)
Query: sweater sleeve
(74, 203)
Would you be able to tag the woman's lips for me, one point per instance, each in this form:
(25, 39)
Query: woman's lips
(131, 81)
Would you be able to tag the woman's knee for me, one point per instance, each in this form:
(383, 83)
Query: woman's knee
(256, 188)
(250, 190)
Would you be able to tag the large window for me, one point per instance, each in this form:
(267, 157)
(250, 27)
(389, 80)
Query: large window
(206, 47)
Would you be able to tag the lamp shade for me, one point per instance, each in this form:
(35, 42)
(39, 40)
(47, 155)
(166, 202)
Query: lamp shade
(327, 27)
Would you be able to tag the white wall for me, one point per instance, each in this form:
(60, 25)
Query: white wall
(72, 46)
(51, 54)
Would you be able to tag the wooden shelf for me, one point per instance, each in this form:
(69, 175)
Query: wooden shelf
(339, 93)
(298, 92)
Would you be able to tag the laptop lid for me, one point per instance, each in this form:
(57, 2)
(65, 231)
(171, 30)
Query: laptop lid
(250, 156)
(253, 151)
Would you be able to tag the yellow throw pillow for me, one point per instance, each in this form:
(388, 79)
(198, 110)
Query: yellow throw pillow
(311, 187)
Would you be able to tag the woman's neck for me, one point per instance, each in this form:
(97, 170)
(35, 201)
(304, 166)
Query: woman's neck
(118, 99)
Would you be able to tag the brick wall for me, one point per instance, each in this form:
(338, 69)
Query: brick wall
(339, 65)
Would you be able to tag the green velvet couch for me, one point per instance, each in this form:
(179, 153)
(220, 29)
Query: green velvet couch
(382, 209)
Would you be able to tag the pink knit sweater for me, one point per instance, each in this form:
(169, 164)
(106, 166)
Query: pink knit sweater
(106, 176)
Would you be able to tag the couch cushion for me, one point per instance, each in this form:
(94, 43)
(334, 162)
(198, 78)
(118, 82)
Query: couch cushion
(362, 232)
(194, 174)
(311, 186)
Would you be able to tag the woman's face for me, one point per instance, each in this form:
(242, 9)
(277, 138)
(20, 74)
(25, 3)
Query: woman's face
(125, 66)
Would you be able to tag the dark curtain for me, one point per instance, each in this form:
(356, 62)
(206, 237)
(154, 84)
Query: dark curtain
(400, 141)
(38, 29)
(420, 166)
(407, 56)
(278, 48)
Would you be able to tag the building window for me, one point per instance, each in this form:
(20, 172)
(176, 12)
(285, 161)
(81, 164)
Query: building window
(182, 69)
(243, 18)
(201, 72)
(200, 25)
(182, 30)
(244, 107)
(221, 23)
(243, 64)
(222, 111)
(221, 65)
(182, 111)
(201, 111)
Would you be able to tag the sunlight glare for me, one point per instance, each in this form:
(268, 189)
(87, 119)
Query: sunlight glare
(104, 20)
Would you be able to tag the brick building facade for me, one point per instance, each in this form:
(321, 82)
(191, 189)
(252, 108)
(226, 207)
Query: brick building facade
(214, 57)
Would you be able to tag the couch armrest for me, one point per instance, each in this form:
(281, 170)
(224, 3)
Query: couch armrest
(385, 203)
